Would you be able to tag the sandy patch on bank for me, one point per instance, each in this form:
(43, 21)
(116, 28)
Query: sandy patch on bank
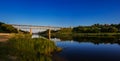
(4, 38)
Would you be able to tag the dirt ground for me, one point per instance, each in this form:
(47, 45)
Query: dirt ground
(4, 38)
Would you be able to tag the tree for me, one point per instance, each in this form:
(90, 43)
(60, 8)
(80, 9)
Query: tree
(8, 28)
(5, 28)
(113, 29)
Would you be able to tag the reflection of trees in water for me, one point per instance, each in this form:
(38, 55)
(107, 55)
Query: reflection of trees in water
(98, 40)
(95, 40)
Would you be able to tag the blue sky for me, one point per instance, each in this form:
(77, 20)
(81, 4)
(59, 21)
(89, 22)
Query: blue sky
(60, 12)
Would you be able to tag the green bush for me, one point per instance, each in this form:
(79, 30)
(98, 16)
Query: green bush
(26, 48)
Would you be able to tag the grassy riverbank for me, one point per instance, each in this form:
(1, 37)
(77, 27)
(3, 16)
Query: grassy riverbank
(83, 34)
(24, 48)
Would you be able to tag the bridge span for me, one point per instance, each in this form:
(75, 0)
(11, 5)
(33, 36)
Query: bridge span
(34, 29)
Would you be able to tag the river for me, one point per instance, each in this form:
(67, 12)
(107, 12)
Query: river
(88, 49)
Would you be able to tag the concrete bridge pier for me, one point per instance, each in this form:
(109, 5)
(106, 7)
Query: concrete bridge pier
(49, 34)
(31, 31)
(18, 29)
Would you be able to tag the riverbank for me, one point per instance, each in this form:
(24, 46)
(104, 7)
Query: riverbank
(24, 48)
(65, 35)
(4, 37)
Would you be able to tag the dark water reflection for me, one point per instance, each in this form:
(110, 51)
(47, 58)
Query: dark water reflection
(95, 40)
(89, 49)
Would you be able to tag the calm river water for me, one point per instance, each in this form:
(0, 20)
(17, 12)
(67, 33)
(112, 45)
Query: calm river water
(91, 50)
(88, 49)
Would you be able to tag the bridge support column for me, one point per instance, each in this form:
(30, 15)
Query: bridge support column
(31, 31)
(18, 30)
(49, 34)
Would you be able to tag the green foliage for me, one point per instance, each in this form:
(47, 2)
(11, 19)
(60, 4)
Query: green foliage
(8, 28)
(24, 42)
(65, 30)
(109, 29)
(5, 28)
(94, 30)
(27, 49)
(97, 28)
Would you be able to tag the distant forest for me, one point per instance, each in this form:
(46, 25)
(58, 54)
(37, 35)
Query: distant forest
(96, 28)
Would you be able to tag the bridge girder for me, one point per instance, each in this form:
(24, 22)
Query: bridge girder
(20, 27)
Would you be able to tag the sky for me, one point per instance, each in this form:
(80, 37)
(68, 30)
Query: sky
(62, 13)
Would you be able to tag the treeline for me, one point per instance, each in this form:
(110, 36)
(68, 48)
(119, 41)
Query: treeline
(98, 28)
(6, 28)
